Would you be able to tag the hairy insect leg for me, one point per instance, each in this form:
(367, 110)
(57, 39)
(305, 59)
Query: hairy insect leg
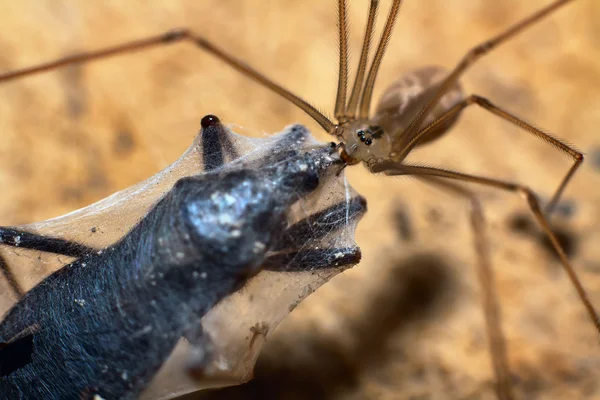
(320, 224)
(17, 238)
(312, 259)
(362, 63)
(342, 86)
(392, 168)
(475, 54)
(367, 92)
(33, 241)
(485, 274)
(502, 113)
(293, 255)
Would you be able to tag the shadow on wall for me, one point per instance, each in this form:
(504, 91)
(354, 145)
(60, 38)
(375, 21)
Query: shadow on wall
(312, 366)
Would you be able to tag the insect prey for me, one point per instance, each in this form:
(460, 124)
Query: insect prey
(106, 323)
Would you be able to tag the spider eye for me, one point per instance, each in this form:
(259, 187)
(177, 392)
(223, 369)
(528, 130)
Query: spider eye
(360, 133)
(368, 141)
(363, 139)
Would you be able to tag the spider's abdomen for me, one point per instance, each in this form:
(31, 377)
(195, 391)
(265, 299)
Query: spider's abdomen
(404, 98)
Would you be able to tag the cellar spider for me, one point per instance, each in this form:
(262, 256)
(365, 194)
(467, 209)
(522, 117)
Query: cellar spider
(383, 140)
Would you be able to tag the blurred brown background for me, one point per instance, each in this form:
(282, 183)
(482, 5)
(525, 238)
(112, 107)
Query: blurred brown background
(406, 322)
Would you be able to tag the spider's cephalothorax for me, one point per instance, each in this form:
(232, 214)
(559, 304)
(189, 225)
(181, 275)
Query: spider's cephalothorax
(385, 135)
(363, 142)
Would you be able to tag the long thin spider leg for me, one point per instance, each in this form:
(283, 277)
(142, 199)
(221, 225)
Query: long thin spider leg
(124, 48)
(394, 168)
(168, 38)
(364, 57)
(484, 103)
(485, 274)
(475, 54)
(367, 93)
(342, 87)
(247, 70)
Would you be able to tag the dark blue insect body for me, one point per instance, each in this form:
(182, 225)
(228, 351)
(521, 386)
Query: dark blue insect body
(104, 324)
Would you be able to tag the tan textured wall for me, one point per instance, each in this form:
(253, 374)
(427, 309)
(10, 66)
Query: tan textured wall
(406, 322)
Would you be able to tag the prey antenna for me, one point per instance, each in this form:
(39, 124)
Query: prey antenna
(365, 101)
(364, 57)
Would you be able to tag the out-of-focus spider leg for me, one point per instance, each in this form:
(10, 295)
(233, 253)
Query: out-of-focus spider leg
(475, 54)
(393, 168)
(173, 36)
(485, 274)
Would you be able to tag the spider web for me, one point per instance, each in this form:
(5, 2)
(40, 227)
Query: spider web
(239, 324)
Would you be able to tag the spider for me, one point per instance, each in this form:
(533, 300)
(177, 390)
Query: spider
(417, 109)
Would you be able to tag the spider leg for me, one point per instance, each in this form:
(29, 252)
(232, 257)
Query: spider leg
(502, 113)
(174, 36)
(475, 54)
(394, 168)
(485, 274)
